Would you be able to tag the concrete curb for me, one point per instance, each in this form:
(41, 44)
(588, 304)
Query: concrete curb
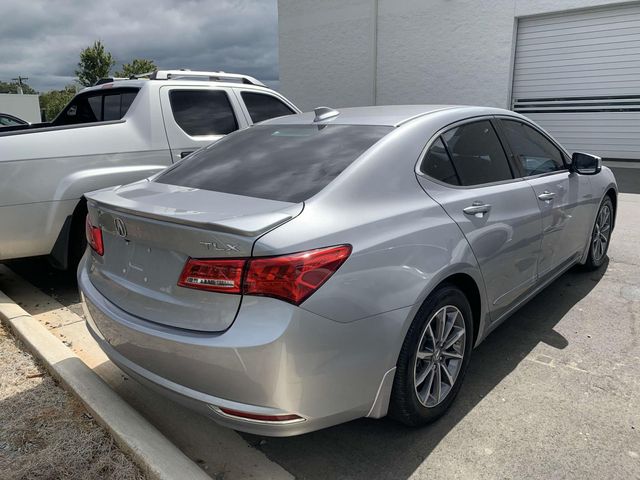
(149, 449)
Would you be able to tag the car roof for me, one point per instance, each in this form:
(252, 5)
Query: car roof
(389, 115)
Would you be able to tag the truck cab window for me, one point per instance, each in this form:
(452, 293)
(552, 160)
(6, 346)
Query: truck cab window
(97, 106)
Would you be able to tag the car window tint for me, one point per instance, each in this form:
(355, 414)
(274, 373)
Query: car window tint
(97, 106)
(263, 107)
(126, 100)
(290, 163)
(437, 164)
(95, 103)
(477, 154)
(111, 110)
(203, 112)
(535, 153)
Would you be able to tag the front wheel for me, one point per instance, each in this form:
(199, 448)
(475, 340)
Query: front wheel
(600, 235)
(434, 358)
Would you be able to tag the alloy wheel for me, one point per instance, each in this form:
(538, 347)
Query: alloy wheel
(601, 233)
(440, 355)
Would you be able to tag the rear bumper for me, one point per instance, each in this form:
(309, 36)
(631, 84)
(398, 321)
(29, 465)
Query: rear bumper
(275, 359)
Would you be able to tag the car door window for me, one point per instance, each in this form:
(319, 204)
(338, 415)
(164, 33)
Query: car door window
(263, 107)
(477, 154)
(203, 112)
(534, 152)
(437, 164)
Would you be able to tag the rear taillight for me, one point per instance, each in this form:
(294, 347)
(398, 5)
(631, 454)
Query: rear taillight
(94, 237)
(213, 275)
(292, 278)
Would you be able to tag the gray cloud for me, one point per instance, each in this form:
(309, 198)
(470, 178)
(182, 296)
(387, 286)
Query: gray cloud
(42, 39)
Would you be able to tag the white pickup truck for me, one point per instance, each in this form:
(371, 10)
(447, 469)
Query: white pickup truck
(114, 133)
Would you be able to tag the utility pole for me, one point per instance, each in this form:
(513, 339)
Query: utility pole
(19, 80)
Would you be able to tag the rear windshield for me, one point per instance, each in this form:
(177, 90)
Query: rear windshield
(289, 163)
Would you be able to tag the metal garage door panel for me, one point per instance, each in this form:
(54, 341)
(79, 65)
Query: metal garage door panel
(578, 75)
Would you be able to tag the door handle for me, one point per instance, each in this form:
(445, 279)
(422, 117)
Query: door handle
(546, 196)
(477, 209)
(184, 154)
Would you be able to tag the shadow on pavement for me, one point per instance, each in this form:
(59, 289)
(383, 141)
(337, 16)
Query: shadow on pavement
(628, 179)
(60, 285)
(365, 448)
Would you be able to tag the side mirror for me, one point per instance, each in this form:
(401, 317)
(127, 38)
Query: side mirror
(585, 164)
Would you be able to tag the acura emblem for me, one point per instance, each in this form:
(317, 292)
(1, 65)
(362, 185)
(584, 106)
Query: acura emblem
(120, 227)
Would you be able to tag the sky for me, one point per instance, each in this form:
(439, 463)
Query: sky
(42, 39)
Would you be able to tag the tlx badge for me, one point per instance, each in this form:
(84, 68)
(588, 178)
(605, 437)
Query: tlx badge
(220, 247)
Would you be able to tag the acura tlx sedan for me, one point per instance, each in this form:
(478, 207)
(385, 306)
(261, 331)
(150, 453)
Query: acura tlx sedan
(326, 266)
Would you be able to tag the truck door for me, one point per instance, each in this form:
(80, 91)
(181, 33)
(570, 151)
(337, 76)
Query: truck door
(195, 116)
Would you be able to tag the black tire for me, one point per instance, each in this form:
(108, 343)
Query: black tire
(597, 257)
(405, 405)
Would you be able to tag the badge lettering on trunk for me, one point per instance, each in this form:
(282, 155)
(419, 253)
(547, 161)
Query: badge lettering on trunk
(121, 229)
(220, 247)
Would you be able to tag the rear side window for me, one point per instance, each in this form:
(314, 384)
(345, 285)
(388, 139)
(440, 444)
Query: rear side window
(437, 164)
(289, 163)
(203, 112)
(97, 106)
(535, 153)
(263, 107)
(477, 154)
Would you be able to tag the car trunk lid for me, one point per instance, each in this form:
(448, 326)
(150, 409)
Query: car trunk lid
(150, 230)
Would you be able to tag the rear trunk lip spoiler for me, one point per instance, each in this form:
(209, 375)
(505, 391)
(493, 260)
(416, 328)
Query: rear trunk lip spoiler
(223, 226)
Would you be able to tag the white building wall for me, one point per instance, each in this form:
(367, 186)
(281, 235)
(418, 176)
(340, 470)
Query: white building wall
(326, 54)
(427, 51)
(26, 107)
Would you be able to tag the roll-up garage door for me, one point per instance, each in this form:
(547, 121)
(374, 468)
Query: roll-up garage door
(578, 75)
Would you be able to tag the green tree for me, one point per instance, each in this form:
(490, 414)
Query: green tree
(12, 87)
(136, 67)
(95, 63)
(53, 101)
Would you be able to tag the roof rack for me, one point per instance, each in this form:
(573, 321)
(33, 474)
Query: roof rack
(205, 76)
(186, 74)
(108, 80)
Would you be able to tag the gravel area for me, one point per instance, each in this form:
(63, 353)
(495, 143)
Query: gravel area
(44, 432)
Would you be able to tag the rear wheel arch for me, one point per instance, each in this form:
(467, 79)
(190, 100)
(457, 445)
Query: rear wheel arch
(70, 244)
(457, 290)
(471, 290)
(77, 241)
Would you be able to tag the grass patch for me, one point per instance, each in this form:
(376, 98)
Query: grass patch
(45, 433)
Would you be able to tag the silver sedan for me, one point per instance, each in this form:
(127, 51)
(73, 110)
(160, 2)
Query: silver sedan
(326, 266)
